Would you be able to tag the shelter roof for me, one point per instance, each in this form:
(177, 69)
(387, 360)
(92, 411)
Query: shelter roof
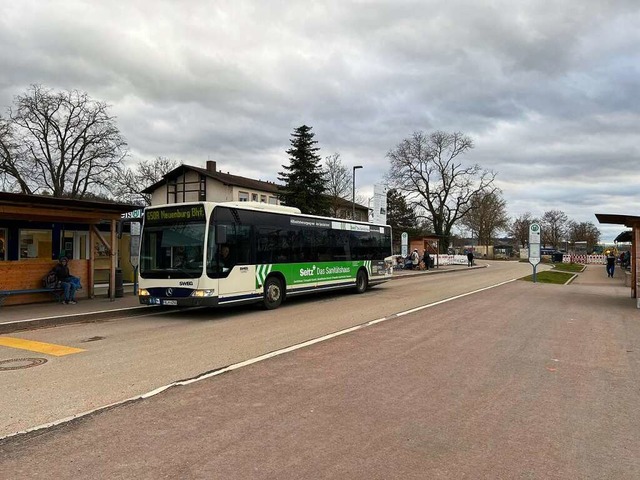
(618, 219)
(624, 237)
(20, 206)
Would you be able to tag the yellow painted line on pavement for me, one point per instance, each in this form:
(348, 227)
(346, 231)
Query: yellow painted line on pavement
(40, 347)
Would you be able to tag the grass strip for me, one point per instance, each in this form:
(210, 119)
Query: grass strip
(568, 267)
(558, 278)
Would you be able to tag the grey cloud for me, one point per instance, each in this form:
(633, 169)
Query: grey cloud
(547, 90)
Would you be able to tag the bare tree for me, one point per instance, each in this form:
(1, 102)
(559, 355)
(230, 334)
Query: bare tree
(428, 170)
(519, 228)
(487, 216)
(64, 143)
(131, 181)
(554, 227)
(583, 232)
(338, 182)
(12, 170)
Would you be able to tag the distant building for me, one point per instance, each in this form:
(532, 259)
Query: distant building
(187, 183)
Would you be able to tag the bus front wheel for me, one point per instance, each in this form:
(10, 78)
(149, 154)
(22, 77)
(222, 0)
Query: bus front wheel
(273, 293)
(362, 282)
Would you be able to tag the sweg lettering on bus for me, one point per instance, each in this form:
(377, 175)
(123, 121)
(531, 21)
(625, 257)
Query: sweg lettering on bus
(310, 272)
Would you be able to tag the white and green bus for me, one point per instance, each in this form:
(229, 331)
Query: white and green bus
(210, 254)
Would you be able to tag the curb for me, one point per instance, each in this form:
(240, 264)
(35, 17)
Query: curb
(435, 271)
(88, 317)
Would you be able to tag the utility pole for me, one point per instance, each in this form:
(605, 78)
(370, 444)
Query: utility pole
(353, 199)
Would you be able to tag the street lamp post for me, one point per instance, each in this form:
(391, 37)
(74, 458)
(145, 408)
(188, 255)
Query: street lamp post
(353, 199)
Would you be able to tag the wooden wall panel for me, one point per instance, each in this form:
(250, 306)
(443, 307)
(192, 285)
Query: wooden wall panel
(25, 274)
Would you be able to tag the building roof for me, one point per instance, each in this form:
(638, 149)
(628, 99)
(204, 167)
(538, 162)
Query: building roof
(225, 178)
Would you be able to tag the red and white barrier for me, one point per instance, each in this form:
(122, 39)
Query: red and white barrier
(585, 259)
(450, 259)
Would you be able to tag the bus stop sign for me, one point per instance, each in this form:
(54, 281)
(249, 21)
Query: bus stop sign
(534, 244)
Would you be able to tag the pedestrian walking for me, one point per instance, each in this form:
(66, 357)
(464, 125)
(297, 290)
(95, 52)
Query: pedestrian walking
(611, 263)
(469, 258)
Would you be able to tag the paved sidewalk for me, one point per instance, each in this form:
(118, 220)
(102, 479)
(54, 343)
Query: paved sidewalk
(37, 315)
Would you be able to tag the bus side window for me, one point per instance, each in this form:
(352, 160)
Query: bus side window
(242, 245)
(339, 241)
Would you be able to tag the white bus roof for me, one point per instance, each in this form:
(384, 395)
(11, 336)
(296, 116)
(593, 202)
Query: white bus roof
(261, 206)
(265, 207)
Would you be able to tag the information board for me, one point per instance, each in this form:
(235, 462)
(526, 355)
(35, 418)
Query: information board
(534, 246)
(405, 244)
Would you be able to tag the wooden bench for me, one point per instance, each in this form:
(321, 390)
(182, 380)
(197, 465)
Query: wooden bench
(58, 293)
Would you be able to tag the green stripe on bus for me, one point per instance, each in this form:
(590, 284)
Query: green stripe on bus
(312, 272)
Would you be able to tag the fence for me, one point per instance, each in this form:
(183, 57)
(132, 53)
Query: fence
(450, 259)
(585, 259)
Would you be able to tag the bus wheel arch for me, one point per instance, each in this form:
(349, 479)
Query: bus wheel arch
(362, 281)
(274, 291)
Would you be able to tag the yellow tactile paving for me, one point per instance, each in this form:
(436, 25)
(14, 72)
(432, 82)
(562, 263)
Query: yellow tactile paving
(40, 347)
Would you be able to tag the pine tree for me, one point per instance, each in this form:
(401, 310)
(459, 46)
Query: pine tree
(303, 178)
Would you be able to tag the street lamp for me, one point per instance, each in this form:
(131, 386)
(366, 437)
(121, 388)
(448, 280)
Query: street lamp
(353, 199)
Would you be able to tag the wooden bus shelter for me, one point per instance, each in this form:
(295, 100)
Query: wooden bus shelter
(21, 268)
(633, 223)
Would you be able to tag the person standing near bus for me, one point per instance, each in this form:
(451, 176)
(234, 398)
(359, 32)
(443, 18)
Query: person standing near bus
(611, 263)
(415, 259)
(426, 259)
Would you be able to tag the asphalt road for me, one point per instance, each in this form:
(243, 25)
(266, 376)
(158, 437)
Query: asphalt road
(518, 381)
(125, 358)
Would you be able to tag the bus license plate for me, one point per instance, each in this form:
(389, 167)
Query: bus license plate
(170, 302)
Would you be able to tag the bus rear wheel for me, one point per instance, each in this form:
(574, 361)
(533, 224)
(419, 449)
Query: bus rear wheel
(273, 293)
(362, 282)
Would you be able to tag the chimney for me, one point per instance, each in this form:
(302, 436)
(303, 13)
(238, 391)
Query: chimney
(211, 166)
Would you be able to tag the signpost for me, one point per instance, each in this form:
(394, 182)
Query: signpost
(379, 204)
(404, 245)
(534, 247)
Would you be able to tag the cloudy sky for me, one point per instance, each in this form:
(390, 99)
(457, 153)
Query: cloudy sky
(548, 90)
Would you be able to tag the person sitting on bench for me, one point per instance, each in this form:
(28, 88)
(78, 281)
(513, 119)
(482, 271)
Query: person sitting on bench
(68, 281)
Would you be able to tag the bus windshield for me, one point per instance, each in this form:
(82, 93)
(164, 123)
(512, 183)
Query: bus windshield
(170, 248)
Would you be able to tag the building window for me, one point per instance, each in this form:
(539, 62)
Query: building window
(243, 196)
(3, 244)
(273, 201)
(254, 197)
(263, 199)
(35, 244)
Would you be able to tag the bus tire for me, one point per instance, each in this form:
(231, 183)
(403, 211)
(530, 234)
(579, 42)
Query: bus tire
(273, 293)
(362, 281)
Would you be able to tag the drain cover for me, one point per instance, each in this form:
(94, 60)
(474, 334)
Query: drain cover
(18, 363)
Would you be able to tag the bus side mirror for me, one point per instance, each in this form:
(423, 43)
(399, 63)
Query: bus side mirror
(221, 234)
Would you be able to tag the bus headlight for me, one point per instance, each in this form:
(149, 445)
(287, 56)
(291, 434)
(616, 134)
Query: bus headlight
(143, 292)
(203, 293)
